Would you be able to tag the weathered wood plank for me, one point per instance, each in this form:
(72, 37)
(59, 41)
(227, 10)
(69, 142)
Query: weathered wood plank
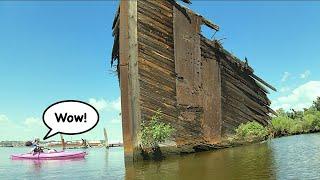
(187, 53)
(154, 68)
(167, 51)
(154, 42)
(159, 61)
(169, 104)
(232, 106)
(234, 95)
(198, 83)
(158, 79)
(238, 81)
(244, 96)
(157, 35)
(151, 110)
(145, 50)
(155, 15)
(157, 92)
(162, 7)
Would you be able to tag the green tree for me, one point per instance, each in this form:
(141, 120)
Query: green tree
(316, 104)
(296, 115)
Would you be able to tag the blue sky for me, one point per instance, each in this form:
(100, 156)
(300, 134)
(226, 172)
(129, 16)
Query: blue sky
(52, 51)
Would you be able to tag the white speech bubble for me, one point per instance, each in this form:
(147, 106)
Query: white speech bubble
(69, 117)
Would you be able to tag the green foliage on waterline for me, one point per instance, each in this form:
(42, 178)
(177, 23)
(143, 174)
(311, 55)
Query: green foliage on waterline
(154, 131)
(251, 131)
(282, 124)
(285, 123)
(296, 122)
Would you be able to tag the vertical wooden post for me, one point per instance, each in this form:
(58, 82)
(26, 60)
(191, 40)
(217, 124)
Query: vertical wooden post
(129, 81)
(106, 143)
(63, 142)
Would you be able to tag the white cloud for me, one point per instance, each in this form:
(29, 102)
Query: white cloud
(305, 74)
(32, 121)
(116, 105)
(103, 105)
(285, 89)
(285, 76)
(299, 98)
(98, 104)
(4, 118)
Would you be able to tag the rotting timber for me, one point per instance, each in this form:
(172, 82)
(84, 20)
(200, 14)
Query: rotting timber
(163, 62)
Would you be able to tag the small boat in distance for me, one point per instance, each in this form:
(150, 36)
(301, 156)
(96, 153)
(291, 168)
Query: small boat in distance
(62, 155)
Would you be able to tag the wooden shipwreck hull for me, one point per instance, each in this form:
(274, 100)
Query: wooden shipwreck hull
(164, 62)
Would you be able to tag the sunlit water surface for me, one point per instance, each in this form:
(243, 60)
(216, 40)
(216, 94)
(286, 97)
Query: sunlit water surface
(295, 157)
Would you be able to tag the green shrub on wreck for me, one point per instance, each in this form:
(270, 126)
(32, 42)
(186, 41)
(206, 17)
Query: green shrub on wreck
(154, 131)
(251, 131)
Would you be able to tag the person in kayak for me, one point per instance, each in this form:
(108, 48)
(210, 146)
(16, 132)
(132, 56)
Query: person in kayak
(36, 147)
(40, 149)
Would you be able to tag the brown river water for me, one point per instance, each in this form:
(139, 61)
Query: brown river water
(294, 157)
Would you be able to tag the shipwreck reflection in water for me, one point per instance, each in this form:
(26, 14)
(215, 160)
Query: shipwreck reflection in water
(247, 162)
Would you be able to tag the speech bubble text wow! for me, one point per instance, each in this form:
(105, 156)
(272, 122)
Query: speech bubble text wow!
(69, 117)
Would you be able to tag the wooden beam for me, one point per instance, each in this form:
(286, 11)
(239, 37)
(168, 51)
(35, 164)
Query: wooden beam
(210, 24)
(129, 83)
(263, 82)
(134, 75)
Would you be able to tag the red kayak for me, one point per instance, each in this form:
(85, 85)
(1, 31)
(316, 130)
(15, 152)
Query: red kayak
(50, 156)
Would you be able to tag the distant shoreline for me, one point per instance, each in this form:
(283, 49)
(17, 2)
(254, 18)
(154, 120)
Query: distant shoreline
(69, 144)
